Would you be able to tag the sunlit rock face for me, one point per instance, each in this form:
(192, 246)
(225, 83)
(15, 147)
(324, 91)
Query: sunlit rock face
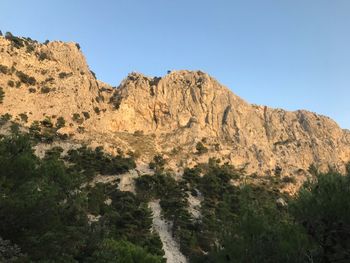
(167, 115)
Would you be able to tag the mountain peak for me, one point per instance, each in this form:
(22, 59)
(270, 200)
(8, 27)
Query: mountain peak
(173, 113)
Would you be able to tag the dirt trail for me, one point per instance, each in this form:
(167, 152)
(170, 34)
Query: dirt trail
(170, 247)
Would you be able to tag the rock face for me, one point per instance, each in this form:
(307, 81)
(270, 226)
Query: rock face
(169, 115)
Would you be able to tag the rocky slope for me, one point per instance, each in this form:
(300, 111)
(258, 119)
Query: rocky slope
(167, 115)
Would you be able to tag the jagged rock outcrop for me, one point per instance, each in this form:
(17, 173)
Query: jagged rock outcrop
(169, 115)
(192, 105)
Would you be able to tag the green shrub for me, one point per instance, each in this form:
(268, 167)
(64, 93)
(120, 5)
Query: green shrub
(15, 41)
(63, 75)
(4, 69)
(112, 250)
(24, 78)
(47, 122)
(24, 117)
(97, 110)
(60, 122)
(91, 161)
(2, 95)
(5, 118)
(289, 179)
(86, 115)
(11, 83)
(42, 56)
(30, 49)
(45, 89)
(76, 117)
(201, 149)
(158, 163)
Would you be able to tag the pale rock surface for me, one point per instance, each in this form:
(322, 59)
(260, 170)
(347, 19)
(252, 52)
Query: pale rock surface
(168, 115)
(163, 228)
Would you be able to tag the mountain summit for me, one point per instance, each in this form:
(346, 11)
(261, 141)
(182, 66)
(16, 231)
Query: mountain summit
(186, 116)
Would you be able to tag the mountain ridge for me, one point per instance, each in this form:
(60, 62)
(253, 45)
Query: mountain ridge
(170, 115)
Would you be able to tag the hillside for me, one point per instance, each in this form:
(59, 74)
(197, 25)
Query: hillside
(170, 115)
(169, 169)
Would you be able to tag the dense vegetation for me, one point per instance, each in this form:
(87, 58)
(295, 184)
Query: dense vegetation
(51, 210)
(245, 224)
(47, 214)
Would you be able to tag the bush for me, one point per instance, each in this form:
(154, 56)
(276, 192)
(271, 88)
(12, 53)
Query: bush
(32, 90)
(24, 78)
(60, 122)
(76, 117)
(112, 250)
(86, 115)
(4, 69)
(91, 161)
(289, 179)
(11, 83)
(47, 123)
(63, 75)
(23, 117)
(5, 118)
(2, 95)
(201, 149)
(97, 110)
(16, 41)
(45, 89)
(158, 163)
(42, 56)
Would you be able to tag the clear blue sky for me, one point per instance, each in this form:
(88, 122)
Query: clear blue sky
(293, 54)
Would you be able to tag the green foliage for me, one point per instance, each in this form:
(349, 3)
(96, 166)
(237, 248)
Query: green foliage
(11, 83)
(24, 78)
(33, 210)
(15, 41)
(76, 117)
(97, 110)
(10, 253)
(158, 163)
(90, 162)
(32, 90)
(261, 233)
(42, 56)
(5, 118)
(47, 122)
(323, 207)
(121, 251)
(24, 117)
(86, 115)
(173, 201)
(201, 149)
(45, 89)
(2, 95)
(63, 75)
(60, 122)
(4, 69)
(35, 129)
(44, 208)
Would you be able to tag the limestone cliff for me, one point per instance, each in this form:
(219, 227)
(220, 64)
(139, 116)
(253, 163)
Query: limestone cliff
(167, 115)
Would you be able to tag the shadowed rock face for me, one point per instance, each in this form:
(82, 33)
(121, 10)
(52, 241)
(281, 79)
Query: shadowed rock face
(173, 112)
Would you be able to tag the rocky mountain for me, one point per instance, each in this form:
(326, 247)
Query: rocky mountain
(187, 116)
